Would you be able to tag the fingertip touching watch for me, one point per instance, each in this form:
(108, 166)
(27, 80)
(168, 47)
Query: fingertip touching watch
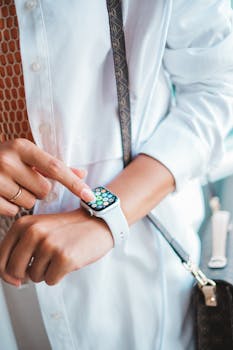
(107, 207)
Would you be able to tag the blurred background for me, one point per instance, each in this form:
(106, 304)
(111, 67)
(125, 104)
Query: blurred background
(226, 167)
(221, 182)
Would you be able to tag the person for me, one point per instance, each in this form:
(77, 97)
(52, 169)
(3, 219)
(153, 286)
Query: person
(83, 292)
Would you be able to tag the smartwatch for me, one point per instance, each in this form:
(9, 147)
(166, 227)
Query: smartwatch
(107, 207)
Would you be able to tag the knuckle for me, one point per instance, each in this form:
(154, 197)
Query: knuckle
(6, 160)
(54, 167)
(34, 232)
(22, 221)
(66, 260)
(14, 210)
(61, 256)
(29, 235)
(45, 188)
(20, 145)
(9, 211)
(46, 247)
(77, 185)
(30, 203)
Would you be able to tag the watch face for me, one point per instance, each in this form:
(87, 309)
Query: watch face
(104, 199)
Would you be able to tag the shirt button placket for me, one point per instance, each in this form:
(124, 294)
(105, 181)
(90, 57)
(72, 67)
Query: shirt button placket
(51, 302)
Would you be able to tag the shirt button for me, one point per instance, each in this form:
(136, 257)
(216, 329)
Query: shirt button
(51, 197)
(44, 128)
(56, 316)
(30, 4)
(35, 67)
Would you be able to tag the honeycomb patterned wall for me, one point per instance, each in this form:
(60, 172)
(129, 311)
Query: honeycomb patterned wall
(13, 112)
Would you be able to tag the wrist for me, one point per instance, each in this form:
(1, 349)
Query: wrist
(98, 227)
(141, 186)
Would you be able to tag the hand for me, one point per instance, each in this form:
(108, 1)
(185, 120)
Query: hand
(47, 247)
(24, 165)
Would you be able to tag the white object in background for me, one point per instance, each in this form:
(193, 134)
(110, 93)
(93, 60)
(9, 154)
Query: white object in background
(220, 226)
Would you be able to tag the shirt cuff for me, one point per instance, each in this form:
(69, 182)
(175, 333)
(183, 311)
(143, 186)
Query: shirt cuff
(179, 149)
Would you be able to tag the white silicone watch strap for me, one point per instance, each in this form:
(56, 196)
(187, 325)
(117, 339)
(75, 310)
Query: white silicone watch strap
(118, 225)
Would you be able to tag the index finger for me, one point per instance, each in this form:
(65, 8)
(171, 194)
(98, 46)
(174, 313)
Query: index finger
(53, 168)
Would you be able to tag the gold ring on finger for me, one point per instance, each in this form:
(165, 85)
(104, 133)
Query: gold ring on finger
(19, 192)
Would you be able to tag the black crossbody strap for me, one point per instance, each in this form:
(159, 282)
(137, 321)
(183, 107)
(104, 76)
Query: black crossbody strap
(122, 81)
(121, 74)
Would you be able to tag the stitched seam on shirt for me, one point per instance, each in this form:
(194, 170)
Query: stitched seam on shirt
(163, 320)
(162, 43)
(49, 80)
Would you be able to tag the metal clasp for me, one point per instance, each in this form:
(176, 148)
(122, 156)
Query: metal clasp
(207, 286)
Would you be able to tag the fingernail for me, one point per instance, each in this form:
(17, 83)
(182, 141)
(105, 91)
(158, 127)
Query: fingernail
(18, 284)
(83, 172)
(87, 195)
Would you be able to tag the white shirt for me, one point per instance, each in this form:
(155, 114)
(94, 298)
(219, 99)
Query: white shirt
(140, 300)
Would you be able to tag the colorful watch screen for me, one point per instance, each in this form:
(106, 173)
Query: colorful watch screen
(104, 199)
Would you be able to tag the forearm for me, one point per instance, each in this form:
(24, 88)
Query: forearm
(142, 185)
(73, 240)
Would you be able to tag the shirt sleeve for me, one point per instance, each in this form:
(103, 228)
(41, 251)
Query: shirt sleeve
(199, 58)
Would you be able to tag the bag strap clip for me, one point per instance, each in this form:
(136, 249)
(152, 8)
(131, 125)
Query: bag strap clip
(207, 286)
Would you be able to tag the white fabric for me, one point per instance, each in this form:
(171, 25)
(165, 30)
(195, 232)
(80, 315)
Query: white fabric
(118, 225)
(139, 300)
